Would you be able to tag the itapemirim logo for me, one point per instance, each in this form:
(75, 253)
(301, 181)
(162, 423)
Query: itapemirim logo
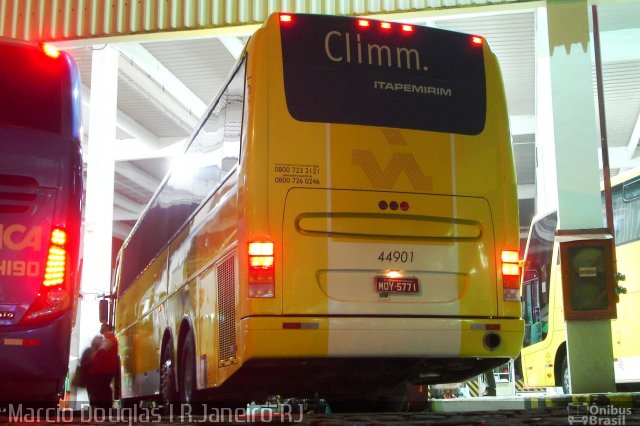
(582, 413)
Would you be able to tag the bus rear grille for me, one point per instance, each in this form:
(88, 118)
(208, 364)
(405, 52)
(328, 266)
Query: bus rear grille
(226, 272)
(18, 194)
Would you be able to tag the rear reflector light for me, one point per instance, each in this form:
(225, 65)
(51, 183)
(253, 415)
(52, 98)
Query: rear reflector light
(485, 327)
(21, 342)
(48, 302)
(261, 270)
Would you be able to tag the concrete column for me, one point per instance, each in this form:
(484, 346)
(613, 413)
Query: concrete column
(576, 150)
(96, 271)
(546, 178)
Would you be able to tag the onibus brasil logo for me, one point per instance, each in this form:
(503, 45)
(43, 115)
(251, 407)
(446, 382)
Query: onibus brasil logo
(584, 414)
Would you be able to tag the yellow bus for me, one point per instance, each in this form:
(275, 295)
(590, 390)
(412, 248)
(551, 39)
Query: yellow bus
(344, 221)
(544, 357)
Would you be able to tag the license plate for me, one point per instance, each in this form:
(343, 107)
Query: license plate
(397, 285)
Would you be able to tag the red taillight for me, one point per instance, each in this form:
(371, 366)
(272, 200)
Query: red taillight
(476, 40)
(286, 18)
(510, 275)
(261, 269)
(261, 249)
(50, 50)
(56, 260)
(53, 298)
(510, 256)
(510, 269)
(364, 23)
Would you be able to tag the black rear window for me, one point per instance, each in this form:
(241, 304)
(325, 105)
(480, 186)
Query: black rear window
(337, 71)
(31, 88)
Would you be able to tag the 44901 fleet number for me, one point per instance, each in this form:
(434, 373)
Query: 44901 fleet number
(395, 256)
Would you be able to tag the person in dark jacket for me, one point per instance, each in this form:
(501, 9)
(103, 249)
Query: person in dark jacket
(84, 374)
(104, 366)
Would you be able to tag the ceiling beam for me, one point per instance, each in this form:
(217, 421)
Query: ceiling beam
(617, 45)
(122, 214)
(618, 158)
(156, 71)
(123, 122)
(121, 230)
(164, 100)
(137, 175)
(127, 204)
(234, 45)
(133, 149)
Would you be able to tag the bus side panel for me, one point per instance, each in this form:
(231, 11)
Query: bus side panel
(506, 218)
(626, 347)
(198, 256)
(538, 359)
(140, 322)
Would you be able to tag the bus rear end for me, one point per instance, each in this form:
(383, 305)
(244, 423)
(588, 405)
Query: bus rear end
(40, 216)
(389, 184)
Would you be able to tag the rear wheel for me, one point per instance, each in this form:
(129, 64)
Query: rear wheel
(168, 393)
(187, 382)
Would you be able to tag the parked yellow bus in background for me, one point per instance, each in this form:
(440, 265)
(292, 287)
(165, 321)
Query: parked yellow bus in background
(343, 222)
(544, 357)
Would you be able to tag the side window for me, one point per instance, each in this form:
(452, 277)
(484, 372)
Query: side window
(212, 153)
(215, 150)
(536, 280)
(626, 211)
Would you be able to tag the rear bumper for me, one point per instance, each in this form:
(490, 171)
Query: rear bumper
(34, 360)
(345, 356)
(370, 337)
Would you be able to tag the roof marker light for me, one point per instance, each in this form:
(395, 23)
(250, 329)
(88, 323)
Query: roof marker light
(286, 18)
(407, 28)
(50, 50)
(385, 25)
(364, 23)
(476, 40)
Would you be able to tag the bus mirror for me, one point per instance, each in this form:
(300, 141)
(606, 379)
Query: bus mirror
(103, 311)
(588, 271)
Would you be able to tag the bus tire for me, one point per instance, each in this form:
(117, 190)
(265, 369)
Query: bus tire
(565, 378)
(187, 379)
(168, 392)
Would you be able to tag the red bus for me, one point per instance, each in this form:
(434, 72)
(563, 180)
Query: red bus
(41, 193)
